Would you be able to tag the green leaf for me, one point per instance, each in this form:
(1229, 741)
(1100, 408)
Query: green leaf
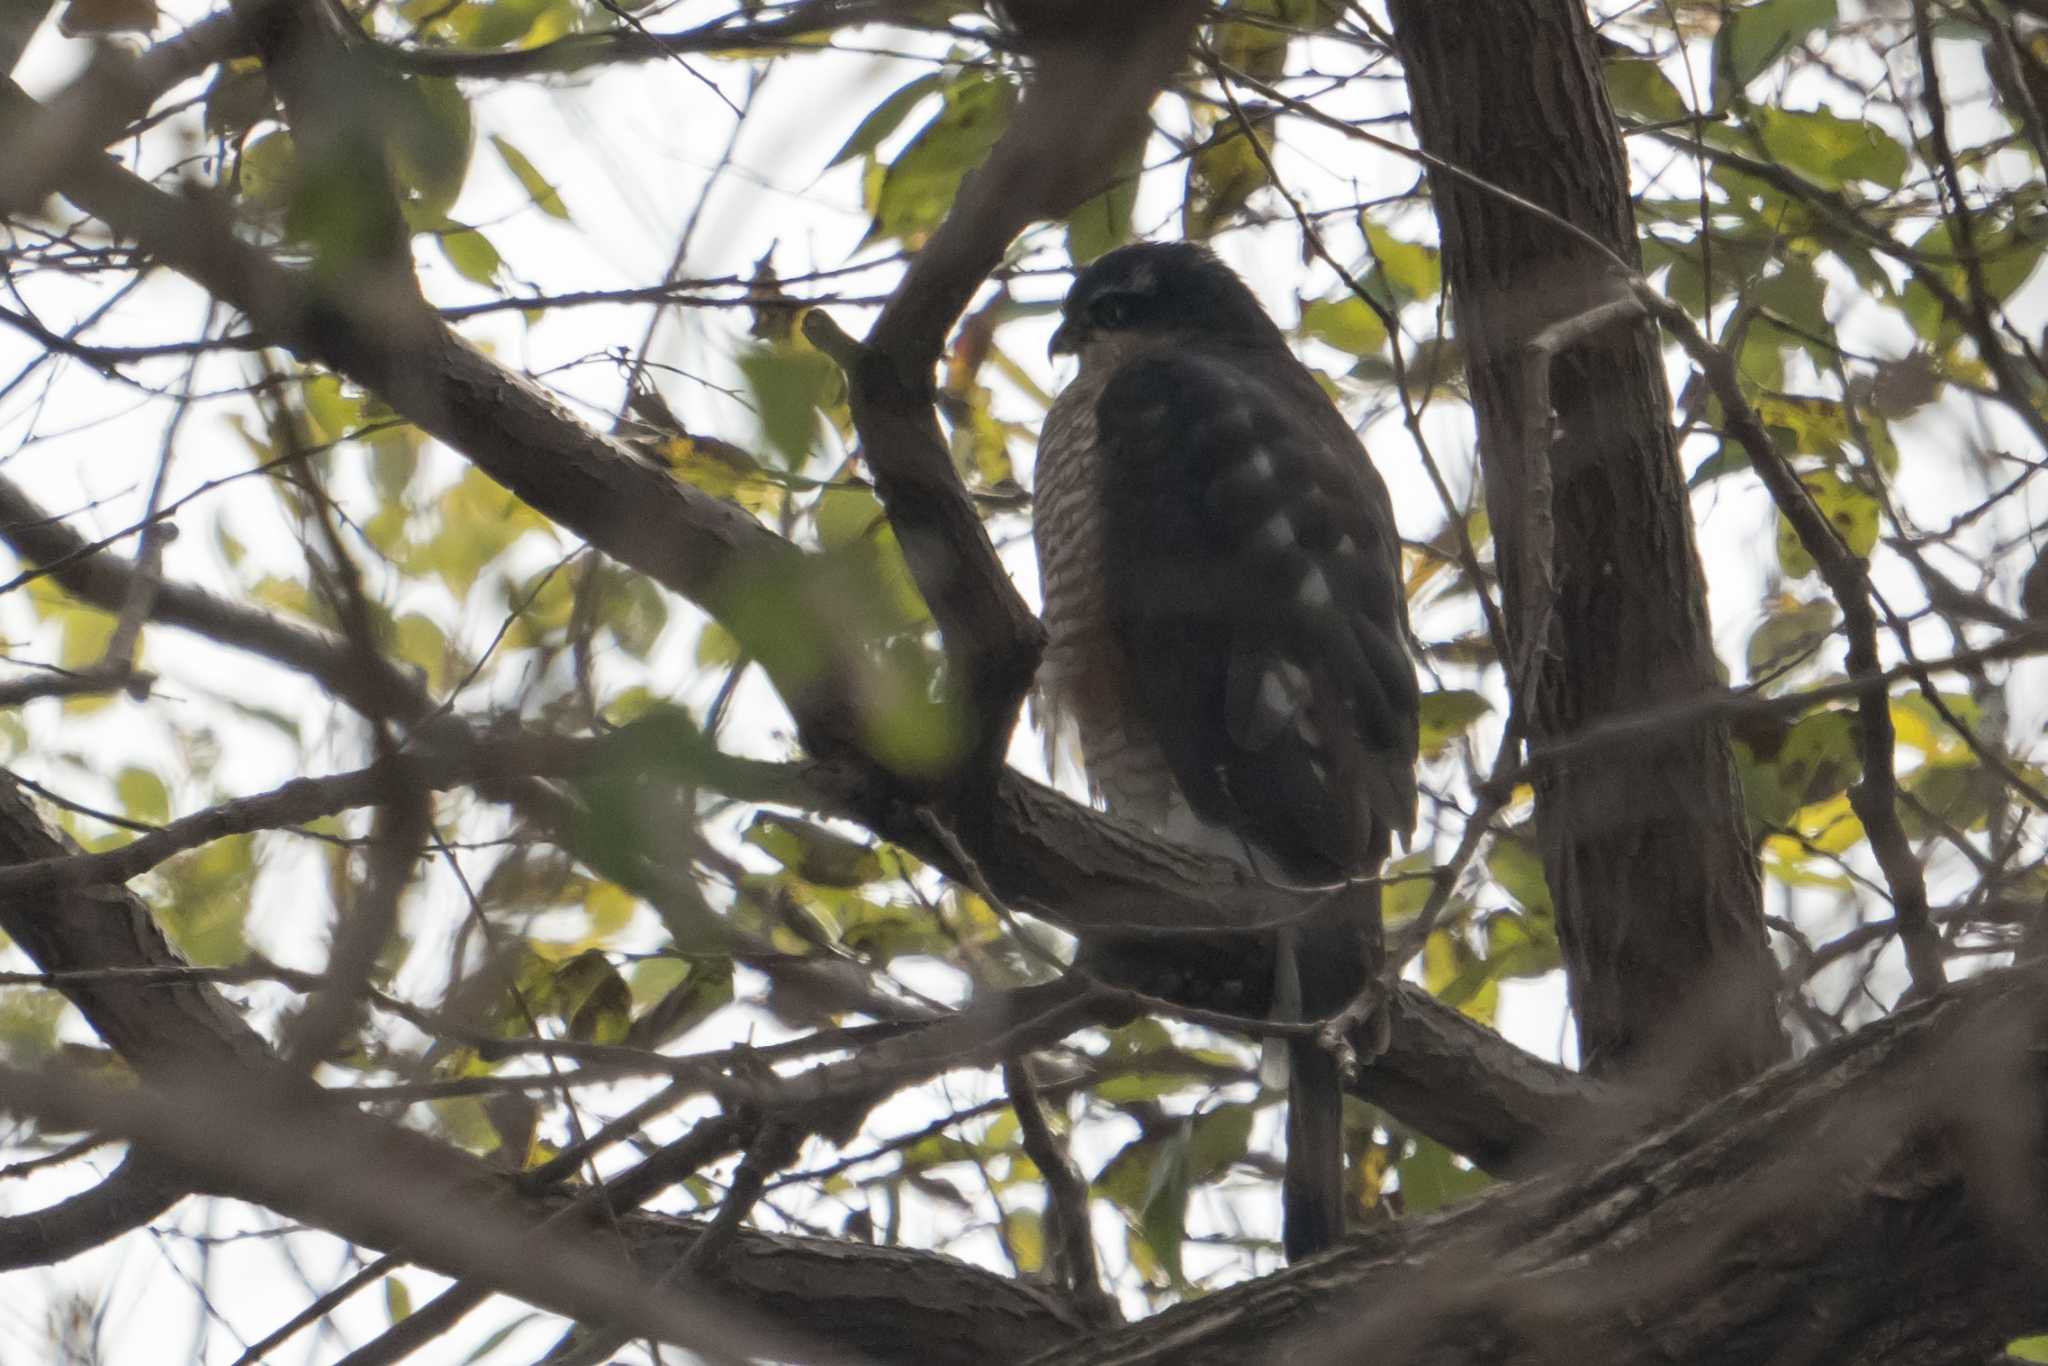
(501, 23)
(208, 900)
(911, 196)
(1163, 1216)
(1431, 1178)
(1222, 176)
(704, 989)
(544, 195)
(2029, 1349)
(847, 514)
(1514, 863)
(1789, 630)
(1447, 713)
(470, 252)
(85, 633)
(1852, 512)
(143, 796)
(592, 999)
(1640, 89)
(334, 411)
(716, 647)
(1821, 756)
(1259, 47)
(1403, 900)
(28, 1023)
(814, 853)
(1206, 1145)
(1757, 35)
(790, 382)
(431, 137)
(268, 168)
(1347, 323)
(1024, 1232)
(1829, 150)
(1412, 270)
(1805, 426)
(885, 117)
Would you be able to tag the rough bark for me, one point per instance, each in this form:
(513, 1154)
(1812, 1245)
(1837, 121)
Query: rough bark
(1877, 1201)
(1648, 861)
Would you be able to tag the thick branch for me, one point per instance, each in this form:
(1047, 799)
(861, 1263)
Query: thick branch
(1878, 1201)
(1083, 871)
(1086, 101)
(134, 1193)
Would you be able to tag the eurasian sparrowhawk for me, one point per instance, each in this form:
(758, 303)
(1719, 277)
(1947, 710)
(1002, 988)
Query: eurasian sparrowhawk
(1222, 583)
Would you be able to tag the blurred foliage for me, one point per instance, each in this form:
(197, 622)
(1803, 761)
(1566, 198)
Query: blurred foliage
(1787, 200)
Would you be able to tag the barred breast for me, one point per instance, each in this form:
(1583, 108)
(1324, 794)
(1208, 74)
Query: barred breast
(1083, 682)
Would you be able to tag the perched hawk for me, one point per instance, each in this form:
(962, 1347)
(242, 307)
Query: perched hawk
(1223, 594)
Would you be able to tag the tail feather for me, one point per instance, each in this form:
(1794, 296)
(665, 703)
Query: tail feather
(1312, 1191)
(1322, 965)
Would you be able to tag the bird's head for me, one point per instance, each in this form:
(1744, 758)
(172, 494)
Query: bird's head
(1146, 293)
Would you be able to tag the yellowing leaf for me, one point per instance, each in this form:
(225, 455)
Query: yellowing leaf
(1830, 150)
(544, 195)
(1347, 323)
(912, 194)
(470, 252)
(143, 796)
(1412, 269)
(1446, 713)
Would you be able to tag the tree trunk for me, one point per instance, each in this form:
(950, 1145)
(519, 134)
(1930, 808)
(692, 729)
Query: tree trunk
(1649, 862)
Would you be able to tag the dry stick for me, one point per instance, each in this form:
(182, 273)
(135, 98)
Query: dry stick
(1066, 1197)
(1875, 798)
(319, 1308)
(1954, 210)
(157, 532)
(705, 1143)
(2017, 93)
(295, 803)
(91, 112)
(273, 1144)
(420, 1327)
(775, 1145)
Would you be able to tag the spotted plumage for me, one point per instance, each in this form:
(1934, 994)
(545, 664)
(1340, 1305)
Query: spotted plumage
(1222, 593)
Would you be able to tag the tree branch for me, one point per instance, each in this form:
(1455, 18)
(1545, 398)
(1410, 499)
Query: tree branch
(1081, 870)
(1878, 1200)
(134, 1193)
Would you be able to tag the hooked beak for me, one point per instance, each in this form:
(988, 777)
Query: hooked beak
(1066, 341)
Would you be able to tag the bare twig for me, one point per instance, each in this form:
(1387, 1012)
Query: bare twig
(1069, 1232)
(1875, 798)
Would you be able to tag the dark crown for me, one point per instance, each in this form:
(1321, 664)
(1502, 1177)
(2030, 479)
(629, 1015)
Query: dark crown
(1160, 286)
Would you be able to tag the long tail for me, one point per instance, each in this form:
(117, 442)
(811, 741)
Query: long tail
(1312, 1192)
(1320, 967)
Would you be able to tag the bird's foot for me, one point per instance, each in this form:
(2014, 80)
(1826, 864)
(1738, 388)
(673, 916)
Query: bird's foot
(1362, 1031)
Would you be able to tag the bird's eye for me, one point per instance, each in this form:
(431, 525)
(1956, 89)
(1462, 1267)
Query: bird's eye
(1112, 311)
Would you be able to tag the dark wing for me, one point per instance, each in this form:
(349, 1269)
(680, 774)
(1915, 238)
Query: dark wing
(1254, 583)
